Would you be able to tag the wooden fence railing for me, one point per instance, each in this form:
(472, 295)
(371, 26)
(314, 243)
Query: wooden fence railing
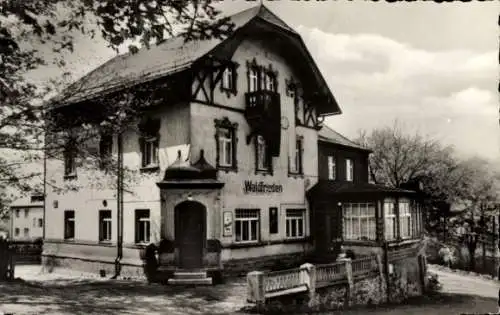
(307, 278)
(330, 273)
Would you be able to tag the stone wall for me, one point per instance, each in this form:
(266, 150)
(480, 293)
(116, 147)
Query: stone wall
(92, 266)
(404, 280)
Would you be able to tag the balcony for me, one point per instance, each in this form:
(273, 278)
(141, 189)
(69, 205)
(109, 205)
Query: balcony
(260, 105)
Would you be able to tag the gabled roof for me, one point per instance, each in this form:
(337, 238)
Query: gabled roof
(327, 134)
(172, 56)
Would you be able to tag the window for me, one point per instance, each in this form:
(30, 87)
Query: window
(69, 224)
(26, 232)
(105, 150)
(263, 158)
(40, 222)
(105, 225)
(359, 221)
(349, 170)
(390, 221)
(225, 137)
(298, 163)
(149, 152)
(228, 82)
(332, 169)
(273, 220)
(142, 226)
(26, 212)
(405, 221)
(149, 142)
(247, 225)
(268, 81)
(17, 213)
(253, 79)
(70, 160)
(295, 223)
(417, 225)
(16, 231)
(37, 198)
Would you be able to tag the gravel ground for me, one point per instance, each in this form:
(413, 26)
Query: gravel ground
(69, 292)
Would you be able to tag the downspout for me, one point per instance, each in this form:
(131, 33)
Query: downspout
(119, 208)
(44, 181)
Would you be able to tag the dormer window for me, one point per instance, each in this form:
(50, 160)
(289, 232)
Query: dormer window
(263, 160)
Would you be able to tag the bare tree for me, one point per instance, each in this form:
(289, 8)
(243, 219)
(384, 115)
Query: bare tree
(36, 33)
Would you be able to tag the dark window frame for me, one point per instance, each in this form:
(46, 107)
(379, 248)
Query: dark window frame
(225, 123)
(142, 236)
(105, 150)
(274, 220)
(232, 88)
(298, 158)
(69, 218)
(267, 169)
(70, 155)
(105, 216)
(149, 129)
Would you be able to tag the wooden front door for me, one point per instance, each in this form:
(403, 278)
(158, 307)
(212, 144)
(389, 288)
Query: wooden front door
(190, 234)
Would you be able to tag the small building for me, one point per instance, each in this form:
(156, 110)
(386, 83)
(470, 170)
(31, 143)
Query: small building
(349, 213)
(26, 218)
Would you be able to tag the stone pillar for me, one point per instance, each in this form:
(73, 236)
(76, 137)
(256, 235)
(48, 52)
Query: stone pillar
(350, 281)
(381, 275)
(256, 292)
(308, 277)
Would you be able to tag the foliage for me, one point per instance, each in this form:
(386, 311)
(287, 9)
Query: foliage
(38, 33)
(433, 284)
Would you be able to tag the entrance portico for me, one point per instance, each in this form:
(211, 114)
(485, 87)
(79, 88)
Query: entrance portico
(190, 203)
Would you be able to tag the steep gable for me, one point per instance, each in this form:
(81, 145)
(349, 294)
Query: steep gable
(175, 55)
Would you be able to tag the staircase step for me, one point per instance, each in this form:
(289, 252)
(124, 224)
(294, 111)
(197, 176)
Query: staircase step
(190, 275)
(200, 281)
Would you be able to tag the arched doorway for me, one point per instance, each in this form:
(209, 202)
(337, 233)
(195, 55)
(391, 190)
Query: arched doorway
(190, 233)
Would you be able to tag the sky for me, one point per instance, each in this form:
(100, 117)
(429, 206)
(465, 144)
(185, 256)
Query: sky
(431, 67)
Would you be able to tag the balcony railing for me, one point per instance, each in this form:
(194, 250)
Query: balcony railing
(261, 103)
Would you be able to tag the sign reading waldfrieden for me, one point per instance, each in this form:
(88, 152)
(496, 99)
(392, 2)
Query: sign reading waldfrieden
(261, 187)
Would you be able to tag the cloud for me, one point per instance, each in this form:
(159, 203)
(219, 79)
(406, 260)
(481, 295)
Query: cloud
(377, 80)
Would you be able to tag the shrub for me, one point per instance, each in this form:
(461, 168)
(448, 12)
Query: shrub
(433, 284)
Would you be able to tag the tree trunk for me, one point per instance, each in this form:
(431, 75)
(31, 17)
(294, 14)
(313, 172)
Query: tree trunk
(472, 252)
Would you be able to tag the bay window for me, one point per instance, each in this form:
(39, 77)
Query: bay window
(405, 221)
(390, 221)
(359, 221)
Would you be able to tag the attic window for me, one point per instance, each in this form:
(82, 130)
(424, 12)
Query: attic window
(228, 81)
